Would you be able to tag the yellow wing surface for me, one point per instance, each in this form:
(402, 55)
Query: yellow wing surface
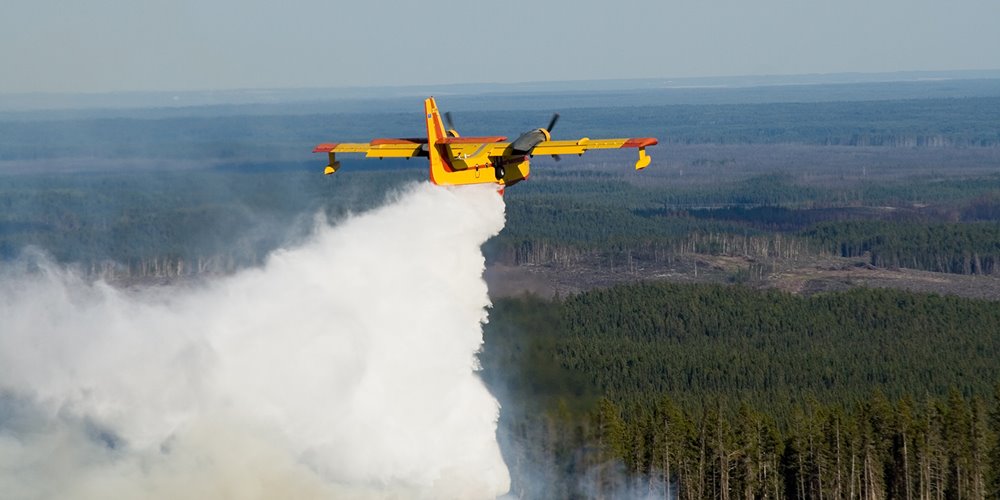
(377, 148)
(474, 160)
(577, 147)
(468, 147)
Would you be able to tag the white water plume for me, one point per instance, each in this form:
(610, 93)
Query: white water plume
(343, 368)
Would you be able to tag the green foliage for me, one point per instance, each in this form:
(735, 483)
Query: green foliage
(993, 486)
(697, 391)
(176, 218)
(715, 391)
(636, 342)
(190, 134)
(966, 248)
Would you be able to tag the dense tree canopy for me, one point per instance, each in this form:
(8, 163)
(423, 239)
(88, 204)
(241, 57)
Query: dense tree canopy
(728, 392)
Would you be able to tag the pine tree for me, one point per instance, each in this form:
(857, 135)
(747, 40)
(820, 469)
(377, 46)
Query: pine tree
(957, 423)
(993, 487)
(903, 451)
(611, 446)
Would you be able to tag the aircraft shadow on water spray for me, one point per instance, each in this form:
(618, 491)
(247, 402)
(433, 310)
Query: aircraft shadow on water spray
(456, 160)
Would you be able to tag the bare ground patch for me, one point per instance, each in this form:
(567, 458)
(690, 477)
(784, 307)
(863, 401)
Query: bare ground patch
(824, 274)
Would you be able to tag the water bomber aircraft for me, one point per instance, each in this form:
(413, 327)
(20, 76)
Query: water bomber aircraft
(456, 160)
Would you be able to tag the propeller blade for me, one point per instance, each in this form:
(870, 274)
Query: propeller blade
(552, 122)
(556, 157)
(447, 120)
(528, 140)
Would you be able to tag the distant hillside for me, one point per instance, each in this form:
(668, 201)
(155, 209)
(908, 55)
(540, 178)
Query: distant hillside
(516, 96)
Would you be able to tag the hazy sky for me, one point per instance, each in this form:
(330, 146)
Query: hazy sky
(109, 45)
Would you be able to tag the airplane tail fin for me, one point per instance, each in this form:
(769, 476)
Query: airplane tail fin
(435, 132)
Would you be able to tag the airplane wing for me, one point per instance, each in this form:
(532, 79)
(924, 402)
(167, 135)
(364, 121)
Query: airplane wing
(377, 148)
(400, 147)
(583, 145)
(464, 147)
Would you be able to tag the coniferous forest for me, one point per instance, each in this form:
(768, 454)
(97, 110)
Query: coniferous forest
(728, 349)
(707, 391)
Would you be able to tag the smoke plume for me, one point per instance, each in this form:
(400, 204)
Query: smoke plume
(343, 368)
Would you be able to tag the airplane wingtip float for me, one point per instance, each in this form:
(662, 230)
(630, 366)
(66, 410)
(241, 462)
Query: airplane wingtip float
(456, 160)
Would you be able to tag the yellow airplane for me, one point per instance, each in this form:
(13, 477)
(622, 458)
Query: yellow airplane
(478, 160)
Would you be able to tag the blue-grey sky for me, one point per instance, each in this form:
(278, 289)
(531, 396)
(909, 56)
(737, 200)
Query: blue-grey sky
(114, 45)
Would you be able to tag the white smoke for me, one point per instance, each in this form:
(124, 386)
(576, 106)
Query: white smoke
(341, 369)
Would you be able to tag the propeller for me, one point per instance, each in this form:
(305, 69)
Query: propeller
(528, 140)
(451, 125)
(552, 122)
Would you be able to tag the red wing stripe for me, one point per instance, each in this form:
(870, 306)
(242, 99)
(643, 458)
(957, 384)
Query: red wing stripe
(640, 142)
(326, 147)
(403, 140)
